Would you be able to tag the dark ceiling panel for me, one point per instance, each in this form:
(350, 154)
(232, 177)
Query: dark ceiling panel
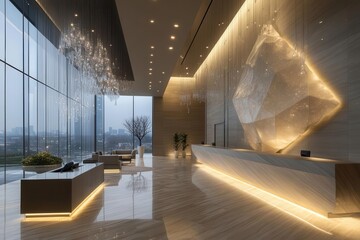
(209, 29)
(97, 20)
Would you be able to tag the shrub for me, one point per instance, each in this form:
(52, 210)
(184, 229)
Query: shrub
(41, 158)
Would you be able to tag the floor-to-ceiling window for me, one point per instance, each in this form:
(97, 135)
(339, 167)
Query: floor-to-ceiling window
(143, 107)
(43, 102)
(116, 111)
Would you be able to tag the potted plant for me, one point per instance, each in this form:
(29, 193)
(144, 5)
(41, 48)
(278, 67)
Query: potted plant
(139, 127)
(176, 143)
(41, 162)
(183, 143)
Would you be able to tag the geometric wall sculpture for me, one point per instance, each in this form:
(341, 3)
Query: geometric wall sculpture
(279, 98)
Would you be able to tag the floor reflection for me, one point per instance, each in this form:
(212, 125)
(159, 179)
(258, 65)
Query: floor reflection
(127, 197)
(176, 200)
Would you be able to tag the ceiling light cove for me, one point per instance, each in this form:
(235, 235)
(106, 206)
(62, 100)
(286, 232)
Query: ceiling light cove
(155, 35)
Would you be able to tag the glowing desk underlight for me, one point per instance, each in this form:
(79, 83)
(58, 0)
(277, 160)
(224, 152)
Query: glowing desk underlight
(59, 194)
(328, 187)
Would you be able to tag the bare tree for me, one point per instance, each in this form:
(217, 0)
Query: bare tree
(139, 127)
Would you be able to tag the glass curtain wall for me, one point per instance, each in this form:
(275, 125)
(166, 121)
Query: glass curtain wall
(42, 104)
(116, 112)
(143, 107)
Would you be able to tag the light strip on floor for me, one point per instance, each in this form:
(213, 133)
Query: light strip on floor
(64, 216)
(266, 197)
(111, 171)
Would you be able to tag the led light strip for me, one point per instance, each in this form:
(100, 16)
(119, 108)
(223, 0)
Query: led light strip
(265, 197)
(66, 215)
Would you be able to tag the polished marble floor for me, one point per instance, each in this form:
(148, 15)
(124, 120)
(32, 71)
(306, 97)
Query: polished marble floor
(178, 199)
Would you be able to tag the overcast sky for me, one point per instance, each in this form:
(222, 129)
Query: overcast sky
(117, 113)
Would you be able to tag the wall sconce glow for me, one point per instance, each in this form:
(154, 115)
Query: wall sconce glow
(279, 97)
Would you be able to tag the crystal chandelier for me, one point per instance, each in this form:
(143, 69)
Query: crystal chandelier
(92, 60)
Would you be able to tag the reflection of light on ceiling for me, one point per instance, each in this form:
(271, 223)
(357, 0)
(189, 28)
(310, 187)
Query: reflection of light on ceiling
(290, 208)
(67, 216)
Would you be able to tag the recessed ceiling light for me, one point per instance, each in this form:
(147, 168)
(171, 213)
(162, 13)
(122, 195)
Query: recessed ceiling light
(110, 45)
(172, 37)
(207, 46)
(151, 55)
(71, 24)
(158, 91)
(187, 73)
(150, 69)
(200, 55)
(176, 25)
(163, 72)
(150, 62)
(92, 30)
(186, 68)
(159, 81)
(150, 73)
(150, 82)
(152, 47)
(152, 20)
(171, 48)
(75, 14)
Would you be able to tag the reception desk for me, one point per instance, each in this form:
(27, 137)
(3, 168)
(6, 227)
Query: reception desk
(59, 193)
(329, 187)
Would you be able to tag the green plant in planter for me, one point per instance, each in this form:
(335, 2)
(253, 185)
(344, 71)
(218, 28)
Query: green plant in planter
(183, 143)
(176, 143)
(41, 158)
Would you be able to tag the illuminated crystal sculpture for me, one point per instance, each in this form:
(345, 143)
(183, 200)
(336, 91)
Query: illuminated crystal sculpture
(279, 98)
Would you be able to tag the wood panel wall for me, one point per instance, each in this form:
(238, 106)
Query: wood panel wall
(169, 116)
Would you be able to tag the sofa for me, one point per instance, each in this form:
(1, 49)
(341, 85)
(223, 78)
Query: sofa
(126, 155)
(110, 161)
(94, 158)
